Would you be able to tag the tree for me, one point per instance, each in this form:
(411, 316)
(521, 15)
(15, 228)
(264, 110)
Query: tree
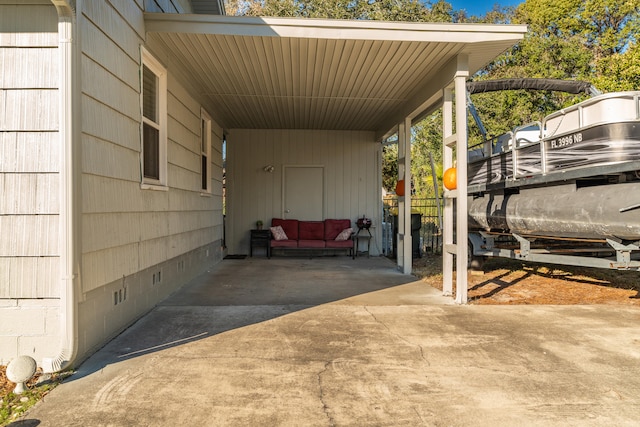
(426, 142)
(609, 26)
(390, 166)
(388, 10)
(620, 71)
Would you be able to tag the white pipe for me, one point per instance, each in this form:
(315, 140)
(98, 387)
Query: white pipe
(68, 258)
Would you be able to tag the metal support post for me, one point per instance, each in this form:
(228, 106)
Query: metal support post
(525, 245)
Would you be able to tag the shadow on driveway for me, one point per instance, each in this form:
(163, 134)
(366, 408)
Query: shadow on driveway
(237, 293)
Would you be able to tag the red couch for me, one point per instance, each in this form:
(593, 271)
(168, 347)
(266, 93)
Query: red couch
(319, 235)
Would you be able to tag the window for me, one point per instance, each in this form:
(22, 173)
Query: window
(154, 121)
(205, 151)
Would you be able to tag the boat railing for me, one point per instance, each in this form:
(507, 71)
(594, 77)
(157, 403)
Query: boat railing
(606, 108)
(496, 145)
(539, 148)
(528, 150)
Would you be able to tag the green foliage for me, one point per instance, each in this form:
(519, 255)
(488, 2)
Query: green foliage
(609, 26)
(14, 405)
(388, 10)
(620, 71)
(426, 142)
(389, 167)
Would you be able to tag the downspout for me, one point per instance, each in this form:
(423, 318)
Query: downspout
(68, 232)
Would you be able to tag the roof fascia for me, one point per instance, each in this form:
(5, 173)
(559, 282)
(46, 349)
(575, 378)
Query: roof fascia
(330, 29)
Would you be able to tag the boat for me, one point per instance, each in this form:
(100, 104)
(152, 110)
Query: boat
(569, 182)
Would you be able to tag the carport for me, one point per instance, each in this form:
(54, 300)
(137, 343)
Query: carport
(311, 81)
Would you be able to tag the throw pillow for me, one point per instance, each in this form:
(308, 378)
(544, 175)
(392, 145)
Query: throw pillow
(344, 234)
(278, 233)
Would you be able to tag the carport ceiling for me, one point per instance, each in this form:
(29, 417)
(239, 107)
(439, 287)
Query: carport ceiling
(283, 73)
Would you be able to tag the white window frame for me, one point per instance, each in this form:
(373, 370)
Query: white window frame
(205, 151)
(158, 69)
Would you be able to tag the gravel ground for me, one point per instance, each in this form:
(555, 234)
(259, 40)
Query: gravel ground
(505, 281)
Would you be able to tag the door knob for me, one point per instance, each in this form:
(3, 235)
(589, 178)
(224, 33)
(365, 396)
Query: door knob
(287, 211)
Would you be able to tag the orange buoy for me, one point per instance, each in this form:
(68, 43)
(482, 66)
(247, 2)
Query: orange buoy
(400, 188)
(449, 179)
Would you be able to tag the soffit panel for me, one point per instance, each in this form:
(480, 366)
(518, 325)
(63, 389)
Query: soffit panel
(267, 81)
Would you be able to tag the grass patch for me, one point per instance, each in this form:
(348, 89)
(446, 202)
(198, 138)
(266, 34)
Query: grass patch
(12, 405)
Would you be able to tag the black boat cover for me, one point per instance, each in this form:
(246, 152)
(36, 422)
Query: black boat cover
(569, 86)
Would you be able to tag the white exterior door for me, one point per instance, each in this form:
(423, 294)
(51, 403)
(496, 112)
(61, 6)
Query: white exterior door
(303, 193)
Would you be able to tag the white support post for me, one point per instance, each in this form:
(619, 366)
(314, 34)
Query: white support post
(404, 202)
(447, 162)
(459, 247)
(400, 236)
(407, 242)
(462, 242)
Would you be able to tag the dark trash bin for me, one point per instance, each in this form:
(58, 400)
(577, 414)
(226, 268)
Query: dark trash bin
(416, 225)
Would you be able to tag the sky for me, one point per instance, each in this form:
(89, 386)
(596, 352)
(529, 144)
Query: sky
(480, 7)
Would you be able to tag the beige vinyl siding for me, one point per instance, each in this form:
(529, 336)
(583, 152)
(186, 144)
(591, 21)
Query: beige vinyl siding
(29, 151)
(41, 273)
(129, 237)
(42, 155)
(146, 241)
(217, 231)
(126, 229)
(182, 6)
(125, 34)
(110, 140)
(351, 161)
(19, 61)
(167, 6)
(36, 194)
(28, 25)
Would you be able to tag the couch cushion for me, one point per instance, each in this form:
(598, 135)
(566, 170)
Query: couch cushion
(290, 227)
(313, 243)
(284, 243)
(311, 230)
(339, 243)
(333, 227)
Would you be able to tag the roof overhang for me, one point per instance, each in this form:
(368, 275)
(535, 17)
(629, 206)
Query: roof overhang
(286, 73)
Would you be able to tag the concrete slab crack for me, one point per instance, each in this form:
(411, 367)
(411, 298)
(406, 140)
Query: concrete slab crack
(418, 346)
(325, 407)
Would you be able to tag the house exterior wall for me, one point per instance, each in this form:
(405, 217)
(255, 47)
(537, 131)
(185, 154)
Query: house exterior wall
(352, 165)
(137, 245)
(29, 177)
(167, 6)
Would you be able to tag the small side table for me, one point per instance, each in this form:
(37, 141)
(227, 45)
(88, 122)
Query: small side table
(260, 239)
(361, 235)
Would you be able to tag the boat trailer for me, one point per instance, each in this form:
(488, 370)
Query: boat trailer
(565, 190)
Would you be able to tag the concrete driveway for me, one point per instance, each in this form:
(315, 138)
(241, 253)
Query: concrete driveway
(342, 342)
